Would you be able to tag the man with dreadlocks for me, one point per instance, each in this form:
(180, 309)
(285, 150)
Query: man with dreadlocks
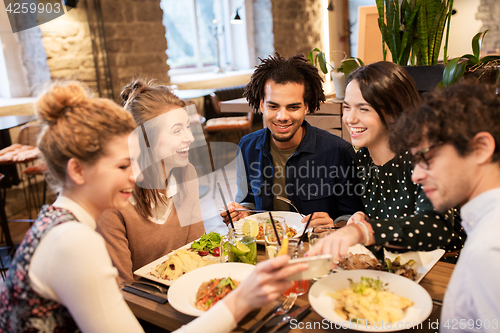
(290, 158)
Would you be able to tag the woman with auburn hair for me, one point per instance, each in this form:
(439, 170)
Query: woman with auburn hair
(61, 278)
(397, 213)
(164, 213)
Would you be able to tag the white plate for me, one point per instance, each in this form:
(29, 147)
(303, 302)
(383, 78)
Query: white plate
(424, 261)
(292, 220)
(182, 294)
(145, 271)
(324, 304)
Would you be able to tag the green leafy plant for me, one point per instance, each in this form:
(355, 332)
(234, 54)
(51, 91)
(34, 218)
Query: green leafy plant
(318, 58)
(455, 68)
(413, 30)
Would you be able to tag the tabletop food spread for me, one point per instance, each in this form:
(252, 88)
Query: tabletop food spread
(360, 290)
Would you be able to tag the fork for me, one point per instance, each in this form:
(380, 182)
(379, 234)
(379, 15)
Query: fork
(161, 289)
(288, 201)
(283, 309)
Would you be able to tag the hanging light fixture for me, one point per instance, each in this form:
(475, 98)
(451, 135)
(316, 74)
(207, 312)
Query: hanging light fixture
(237, 19)
(70, 3)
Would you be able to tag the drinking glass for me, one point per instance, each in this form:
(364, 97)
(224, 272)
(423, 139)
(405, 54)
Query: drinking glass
(316, 233)
(240, 247)
(272, 246)
(297, 251)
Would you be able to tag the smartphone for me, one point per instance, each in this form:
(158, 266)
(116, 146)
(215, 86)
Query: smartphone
(319, 266)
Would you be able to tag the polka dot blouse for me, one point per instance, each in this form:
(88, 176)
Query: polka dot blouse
(399, 211)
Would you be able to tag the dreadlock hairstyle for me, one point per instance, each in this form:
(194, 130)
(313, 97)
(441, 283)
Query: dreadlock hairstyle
(296, 69)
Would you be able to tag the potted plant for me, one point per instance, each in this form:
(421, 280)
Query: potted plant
(413, 31)
(483, 68)
(338, 74)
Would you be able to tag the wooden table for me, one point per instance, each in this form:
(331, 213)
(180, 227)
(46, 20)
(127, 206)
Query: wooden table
(435, 282)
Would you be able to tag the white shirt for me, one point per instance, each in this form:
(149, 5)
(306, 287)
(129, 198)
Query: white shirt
(162, 211)
(72, 266)
(472, 299)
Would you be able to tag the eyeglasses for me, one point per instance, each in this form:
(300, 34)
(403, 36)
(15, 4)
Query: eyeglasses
(419, 157)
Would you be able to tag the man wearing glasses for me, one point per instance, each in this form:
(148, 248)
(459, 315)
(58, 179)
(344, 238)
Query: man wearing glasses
(455, 138)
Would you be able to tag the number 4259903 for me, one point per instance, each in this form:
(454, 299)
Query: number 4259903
(30, 7)
(462, 324)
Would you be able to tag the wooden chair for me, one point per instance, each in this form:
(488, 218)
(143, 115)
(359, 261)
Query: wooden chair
(241, 125)
(24, 155)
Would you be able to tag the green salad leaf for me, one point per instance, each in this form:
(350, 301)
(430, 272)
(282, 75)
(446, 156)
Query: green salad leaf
(225, 282)
(207, 242)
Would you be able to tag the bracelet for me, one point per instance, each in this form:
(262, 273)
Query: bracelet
(359, 229)
(365, 231)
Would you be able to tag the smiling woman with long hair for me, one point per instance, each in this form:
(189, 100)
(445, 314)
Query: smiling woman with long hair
(397, 213)
(164, 212)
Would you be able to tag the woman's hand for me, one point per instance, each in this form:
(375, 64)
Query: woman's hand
(337, 244)
(358, 217)
(265, 284)
(320, 219)
(235, 216)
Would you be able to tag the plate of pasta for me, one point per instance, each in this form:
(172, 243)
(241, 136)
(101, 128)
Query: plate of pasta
(167, 269)
(184, 294)
(370, 301)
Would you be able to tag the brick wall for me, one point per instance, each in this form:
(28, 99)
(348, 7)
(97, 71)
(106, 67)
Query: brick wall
(68, 47)
(136, 43)
(488, 12)
(263, 29)
(135, 38)
(297, 26)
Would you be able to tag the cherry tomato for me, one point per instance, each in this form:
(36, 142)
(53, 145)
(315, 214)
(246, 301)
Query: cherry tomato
(216, 252)
(204, 252)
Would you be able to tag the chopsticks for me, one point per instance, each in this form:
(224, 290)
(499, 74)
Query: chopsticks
(227, 184)
(304, 232)
(250, 210)
(225, 205)
(275, 230)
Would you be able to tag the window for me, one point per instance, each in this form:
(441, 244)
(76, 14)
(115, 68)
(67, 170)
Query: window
(193, 29)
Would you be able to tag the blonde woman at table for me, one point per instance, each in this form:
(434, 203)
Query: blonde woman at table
(164, 211)
(397, 213)
(61, 278)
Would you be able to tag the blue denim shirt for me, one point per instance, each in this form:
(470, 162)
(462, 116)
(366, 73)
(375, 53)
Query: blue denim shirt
(320, 175)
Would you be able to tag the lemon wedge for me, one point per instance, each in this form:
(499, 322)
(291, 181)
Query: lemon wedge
(254, 228)
(250, 228)
(271, 251)
(245, 228)
(242, 247)
(284, 246)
